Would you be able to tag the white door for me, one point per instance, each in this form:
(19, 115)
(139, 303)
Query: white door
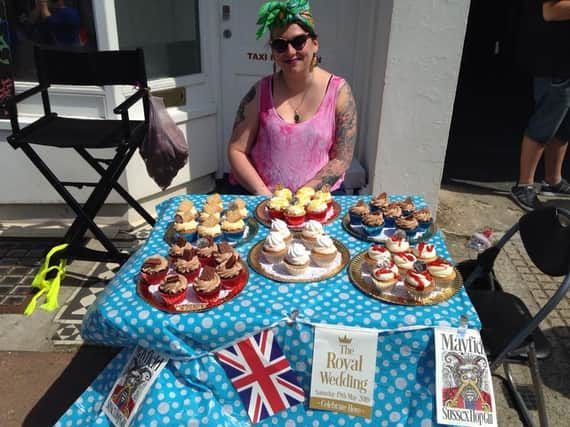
(244, 60)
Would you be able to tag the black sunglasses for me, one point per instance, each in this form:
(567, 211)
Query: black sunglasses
(298, 43)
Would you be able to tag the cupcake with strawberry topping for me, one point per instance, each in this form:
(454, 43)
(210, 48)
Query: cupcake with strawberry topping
(425, 251)
(419, 282)
(376, 254)
(397, 243)
(385, 275)
(442, 271)
(405, 261)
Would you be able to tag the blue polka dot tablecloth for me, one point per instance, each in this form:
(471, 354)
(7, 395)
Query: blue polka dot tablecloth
(193, 390)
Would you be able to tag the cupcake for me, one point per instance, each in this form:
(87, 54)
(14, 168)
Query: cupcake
(376, 254)
(404, 261)
(373, 223)
(305, 192)
(188, 265)
(391, 212)
(378, 202)
(302, 200)
(311, 230)
(297, 259)
(397, 243)
(276, 207)
(210, 211)
(419, 282)
(206, 249)
(281, 227)
(215, 201)
(408, 206)
(225, 252)
(442, 271)
(233, 227)
(274, 248)
(188, 229)
(409, 224)
(173, 289)
(210, 228)
(294, 215)
(230, 273)
(185, 212)
(317, 210)
(324, 194)
(424, 218)
(425, 251)
(385, 275)
(208, 284)
(283, 192)
(357, 211)
(176, 250)
(239, 205)
(324, 251)
(154, 269)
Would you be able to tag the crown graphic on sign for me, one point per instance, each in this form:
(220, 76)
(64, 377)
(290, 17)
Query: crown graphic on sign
(345, 339)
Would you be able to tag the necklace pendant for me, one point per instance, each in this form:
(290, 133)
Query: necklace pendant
(296, 117)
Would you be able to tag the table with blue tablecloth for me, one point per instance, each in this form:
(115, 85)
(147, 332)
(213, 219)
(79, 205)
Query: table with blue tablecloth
(193, 389)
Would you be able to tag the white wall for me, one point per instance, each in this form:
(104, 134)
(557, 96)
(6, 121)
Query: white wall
(422, 67)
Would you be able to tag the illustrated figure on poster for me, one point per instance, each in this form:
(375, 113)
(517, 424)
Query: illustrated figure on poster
(463, 387)
(124, 396)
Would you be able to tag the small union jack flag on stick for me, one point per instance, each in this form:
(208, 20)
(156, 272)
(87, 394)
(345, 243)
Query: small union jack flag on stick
(261, 375)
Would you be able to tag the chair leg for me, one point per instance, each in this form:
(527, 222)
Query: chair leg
(537, 382)
(518, 400)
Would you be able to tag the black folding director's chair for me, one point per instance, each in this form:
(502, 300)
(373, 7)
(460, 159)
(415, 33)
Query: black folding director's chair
(510, 332)
(99, 68)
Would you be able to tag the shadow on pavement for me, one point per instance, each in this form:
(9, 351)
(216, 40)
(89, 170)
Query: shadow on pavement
(87, 363)
(555, 371)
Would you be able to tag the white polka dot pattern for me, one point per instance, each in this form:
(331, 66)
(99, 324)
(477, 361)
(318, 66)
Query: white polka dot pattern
(197, 392)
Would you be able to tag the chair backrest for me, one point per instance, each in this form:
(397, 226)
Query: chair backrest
(547, 240)
(97, 68)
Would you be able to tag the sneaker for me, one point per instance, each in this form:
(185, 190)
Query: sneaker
(560, 189)
(525, 197)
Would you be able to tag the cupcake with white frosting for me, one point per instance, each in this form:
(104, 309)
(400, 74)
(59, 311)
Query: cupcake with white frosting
(297, 259)
(311, 230)
(324, 251)
(274, 248)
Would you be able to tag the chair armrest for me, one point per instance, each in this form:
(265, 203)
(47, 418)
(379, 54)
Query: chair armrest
(15, 99)
(128, 103)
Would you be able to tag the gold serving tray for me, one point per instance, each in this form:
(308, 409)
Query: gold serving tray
(255, 255)
(445, 289)
(263, 216)
(359, 232)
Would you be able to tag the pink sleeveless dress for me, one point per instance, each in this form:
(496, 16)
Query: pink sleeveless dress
(292, 153)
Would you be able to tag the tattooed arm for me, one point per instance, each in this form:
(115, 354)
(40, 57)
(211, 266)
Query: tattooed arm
(241, 142)
(345, 138)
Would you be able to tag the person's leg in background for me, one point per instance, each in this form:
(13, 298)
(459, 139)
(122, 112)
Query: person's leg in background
(544, 135)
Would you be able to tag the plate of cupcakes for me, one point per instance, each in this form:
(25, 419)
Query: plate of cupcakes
(192, 278)
(379, 219)
(295, 209)
(232, 223)
(404, 274)
(306, 256)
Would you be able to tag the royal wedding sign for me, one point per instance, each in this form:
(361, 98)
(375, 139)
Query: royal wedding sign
(344, 365)
(464, 387)
(133, 384)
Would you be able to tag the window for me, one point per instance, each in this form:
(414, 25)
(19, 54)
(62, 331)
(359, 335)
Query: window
(168, 32)
(61, 23)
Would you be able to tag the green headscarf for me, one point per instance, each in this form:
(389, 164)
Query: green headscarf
(283, 13)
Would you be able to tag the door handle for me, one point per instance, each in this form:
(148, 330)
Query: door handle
(227, 34)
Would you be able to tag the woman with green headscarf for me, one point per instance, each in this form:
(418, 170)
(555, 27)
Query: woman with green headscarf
(296, 127)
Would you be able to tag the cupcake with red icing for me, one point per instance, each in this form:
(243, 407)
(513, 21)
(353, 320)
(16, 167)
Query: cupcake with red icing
(173, 289)
(425, 251)
(442, 271)
(154, 269)
(419, 282)
(385, 275)
(405, 262)
(376, 254)
(397, 243)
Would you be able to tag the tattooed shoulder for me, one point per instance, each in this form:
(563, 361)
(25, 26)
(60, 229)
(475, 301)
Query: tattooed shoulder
(240, 115)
